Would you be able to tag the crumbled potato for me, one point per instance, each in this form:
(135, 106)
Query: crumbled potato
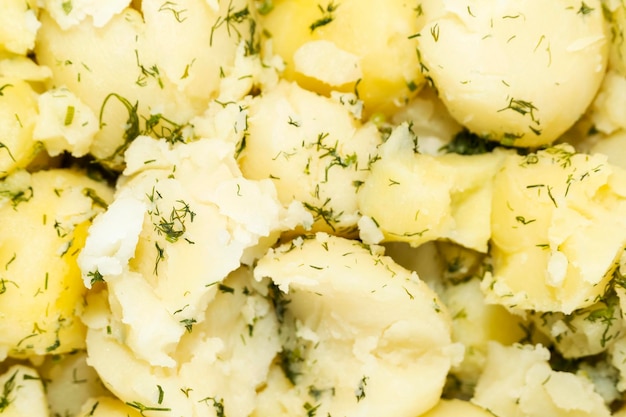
(41, 292)
(455, 408)
(402, 350)
(18, 26)
(348, 45)
(313, 150)
(416, 198)
(557, 230)
(109, 407)
(18, 112)
(518, 381)
(125, 59)
(22, 393)
(70, 382)
(294, 208)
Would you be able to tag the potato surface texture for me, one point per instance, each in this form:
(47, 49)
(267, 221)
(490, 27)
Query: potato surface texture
(352, 44)
(41, 289)
(506, 71)
(299, 208)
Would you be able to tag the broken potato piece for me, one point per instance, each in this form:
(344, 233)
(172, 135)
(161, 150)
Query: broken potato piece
(41, 291)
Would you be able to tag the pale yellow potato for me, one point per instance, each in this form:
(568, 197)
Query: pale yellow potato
(18, 26)
(505, 71)
(348, 44)
(107, 407)
(70, 382)
(586, 332)
(608, 110)
(183, 218)
(313, 150)
(22, 67)
(222, 360)
(71, 13)
(614, 147)
(457, 408)
(416, 198)
(18, 112)
(150, 60)
(64, 123)
(616, 10)
(22, 393)
(475, 323)
(44, 219)
(518, 381)
(356, 362)
(558, 227)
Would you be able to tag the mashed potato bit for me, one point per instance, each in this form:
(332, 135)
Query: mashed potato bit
(557, 229)
(518, 381)
(416, 198)
(40, 289)
(182, 207)
(402, 350)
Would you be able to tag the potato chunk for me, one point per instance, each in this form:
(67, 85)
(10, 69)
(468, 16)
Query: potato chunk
(506, 70)
(125, 57)
(18, 111)
(416, 198)
(349, 44)
(558, 227)
(401, 349)
(22, 393)
(313, 150)
(44, 219)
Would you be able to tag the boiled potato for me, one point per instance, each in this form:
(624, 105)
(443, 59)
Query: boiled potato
(348, 45)
(222, 360)
(182, 207)
(313, 150)
(402, 350)
(416, 198)
(518, 381)
(505, 71)
(64, 123)
(456, 408)
(18, 26)
(558, 229)
(124, 76)
(44, 219)
(70, 382)
(108, 407)
(22, 393)
(18, 112)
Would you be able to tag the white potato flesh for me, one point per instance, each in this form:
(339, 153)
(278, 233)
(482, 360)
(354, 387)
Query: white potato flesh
(183, 218)
(22, 393)
(518, 381)
(222, 360)
(125, 57)
(373, 37)
(557, 230)
(417, 198)
(107, 407)
(64, 123)
(345, 303)
(18, 113)
(70, 382)
(505, 70)
(18, 26)
(456, 408)
(41, 291)
(313, 150)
